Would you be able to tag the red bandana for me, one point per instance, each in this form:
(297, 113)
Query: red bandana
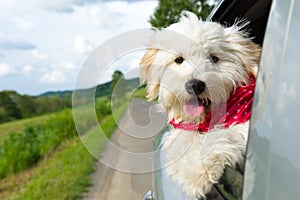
(236, 110)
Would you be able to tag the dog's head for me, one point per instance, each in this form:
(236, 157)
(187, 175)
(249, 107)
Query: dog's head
(194, 65)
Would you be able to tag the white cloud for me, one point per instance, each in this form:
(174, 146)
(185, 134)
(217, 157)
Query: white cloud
(27, 69)
(134, 63)
(116, 15)
(61, 6)
(38, 54)
(55, 76)
(6, 69)
(108, 14)
(82, 45)
(68, 65)
(23, 24)
(55, 51)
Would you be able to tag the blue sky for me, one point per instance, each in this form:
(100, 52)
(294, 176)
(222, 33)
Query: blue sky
(43, 44)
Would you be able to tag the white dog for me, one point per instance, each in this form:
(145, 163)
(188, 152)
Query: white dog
(204, 76)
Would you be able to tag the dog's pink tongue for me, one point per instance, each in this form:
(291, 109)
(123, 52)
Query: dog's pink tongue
(195, 109)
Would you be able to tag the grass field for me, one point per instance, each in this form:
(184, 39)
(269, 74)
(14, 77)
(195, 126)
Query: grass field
(64, 173)
(16, 126)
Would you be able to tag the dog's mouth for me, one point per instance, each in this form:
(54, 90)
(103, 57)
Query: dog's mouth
(196, 106)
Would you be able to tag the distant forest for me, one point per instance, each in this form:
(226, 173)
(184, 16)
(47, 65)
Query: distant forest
(15, 106)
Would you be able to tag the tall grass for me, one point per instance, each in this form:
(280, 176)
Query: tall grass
(17, 126)
(24, 149)
(64, 174)
(52, 159)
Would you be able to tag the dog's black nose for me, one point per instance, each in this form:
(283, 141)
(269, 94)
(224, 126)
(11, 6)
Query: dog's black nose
(195, 86)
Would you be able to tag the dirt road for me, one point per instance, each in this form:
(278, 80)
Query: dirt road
(135, 134)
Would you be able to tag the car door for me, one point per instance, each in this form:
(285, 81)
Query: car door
(273, 161)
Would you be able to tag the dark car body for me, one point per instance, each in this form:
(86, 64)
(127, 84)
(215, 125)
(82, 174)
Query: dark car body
(273, 163)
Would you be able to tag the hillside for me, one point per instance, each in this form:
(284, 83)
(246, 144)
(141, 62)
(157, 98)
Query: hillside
(15, 106)
(102, 89)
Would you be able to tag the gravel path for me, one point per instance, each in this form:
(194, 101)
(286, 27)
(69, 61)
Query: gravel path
(136, 134)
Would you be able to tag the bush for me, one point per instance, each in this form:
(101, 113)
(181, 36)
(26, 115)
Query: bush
(103, 108)
(22, 150)
(19, 151)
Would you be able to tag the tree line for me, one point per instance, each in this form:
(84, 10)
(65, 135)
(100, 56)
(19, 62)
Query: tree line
(16, 106)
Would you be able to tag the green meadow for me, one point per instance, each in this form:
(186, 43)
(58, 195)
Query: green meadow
(44, 158)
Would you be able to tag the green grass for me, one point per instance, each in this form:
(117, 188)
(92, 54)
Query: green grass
(139, 93)
(63, 176)
(16, 126)
(19, 125)
(25, 149)
(64, 173)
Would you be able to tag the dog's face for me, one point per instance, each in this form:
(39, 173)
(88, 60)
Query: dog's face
(192, 66)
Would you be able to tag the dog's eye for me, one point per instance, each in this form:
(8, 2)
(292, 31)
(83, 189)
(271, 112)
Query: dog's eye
(213, 59)
(179, 60)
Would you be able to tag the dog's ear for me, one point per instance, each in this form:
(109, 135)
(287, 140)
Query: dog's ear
(248, 51)
(146, 74)
(251, 56)
(146, 63)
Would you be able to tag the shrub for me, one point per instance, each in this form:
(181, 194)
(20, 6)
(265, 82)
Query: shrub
(19, 151)
(22, 150)
(103, 108)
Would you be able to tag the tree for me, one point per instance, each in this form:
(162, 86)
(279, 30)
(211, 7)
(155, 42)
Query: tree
(46, 104)
(118, 84)
(8, 107)
(168, 11)
(26, 105)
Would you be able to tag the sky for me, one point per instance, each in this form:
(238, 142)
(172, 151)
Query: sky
(43, 44)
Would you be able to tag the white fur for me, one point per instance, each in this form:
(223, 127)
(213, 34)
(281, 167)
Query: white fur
(196, 160)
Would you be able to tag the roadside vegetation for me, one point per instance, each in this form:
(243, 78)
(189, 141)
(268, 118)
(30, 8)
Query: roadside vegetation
(64, 173)
(21, 150)
(18, 125)
(45, 159)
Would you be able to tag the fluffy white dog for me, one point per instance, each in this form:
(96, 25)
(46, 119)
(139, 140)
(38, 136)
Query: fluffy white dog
(203, 75)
